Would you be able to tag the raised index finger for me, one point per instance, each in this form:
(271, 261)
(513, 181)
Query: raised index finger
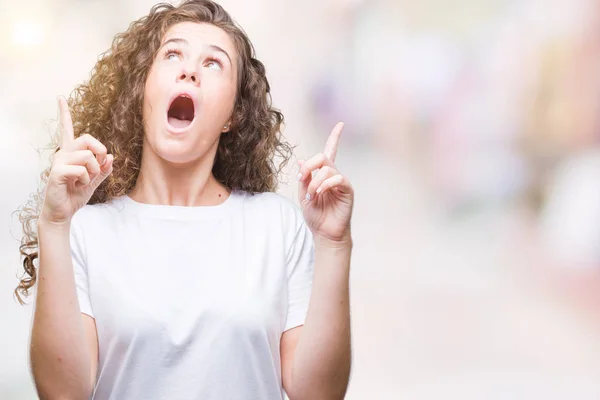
(332, 141)
(67, 136)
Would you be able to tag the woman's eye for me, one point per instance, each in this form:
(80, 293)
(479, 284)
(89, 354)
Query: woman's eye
(172, 55)
(214, 64)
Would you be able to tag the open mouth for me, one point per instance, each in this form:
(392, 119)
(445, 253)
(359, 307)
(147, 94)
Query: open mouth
(181, 112)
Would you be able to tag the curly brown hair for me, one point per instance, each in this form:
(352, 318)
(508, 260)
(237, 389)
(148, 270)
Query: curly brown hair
(109, 107)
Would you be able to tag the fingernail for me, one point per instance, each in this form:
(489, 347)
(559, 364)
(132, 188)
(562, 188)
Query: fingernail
(319, 190)
(308, 196)
(299, 176)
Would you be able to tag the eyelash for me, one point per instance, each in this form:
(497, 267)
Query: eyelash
(168, 52)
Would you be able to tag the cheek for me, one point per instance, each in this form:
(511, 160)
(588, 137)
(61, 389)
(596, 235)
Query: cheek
(151, 104)
(222, 90)
(152, 94)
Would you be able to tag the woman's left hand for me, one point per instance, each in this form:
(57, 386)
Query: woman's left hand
(327, 198)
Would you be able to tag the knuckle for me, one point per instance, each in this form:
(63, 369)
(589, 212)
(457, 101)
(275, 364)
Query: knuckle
(94, 140)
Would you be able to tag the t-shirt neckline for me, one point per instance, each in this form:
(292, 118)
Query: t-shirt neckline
(180, 212)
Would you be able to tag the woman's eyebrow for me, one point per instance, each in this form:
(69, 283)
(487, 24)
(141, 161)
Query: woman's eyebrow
(210, 46)
(217, 48)
(175, 40)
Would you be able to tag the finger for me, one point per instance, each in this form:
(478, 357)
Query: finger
(315, 162)
(332, 141)
(84, 158)
(316, 182)
(67, 135)
(88, 142)
(69, 173)
(334, 181)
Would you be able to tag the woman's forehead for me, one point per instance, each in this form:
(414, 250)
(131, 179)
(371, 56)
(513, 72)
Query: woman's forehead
(200, 35)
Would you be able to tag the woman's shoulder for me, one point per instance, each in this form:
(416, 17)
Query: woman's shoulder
(270, 201)
(99, 211)
(273, 204)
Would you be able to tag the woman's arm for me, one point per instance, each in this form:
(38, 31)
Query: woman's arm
(316, 358)
(64, 342)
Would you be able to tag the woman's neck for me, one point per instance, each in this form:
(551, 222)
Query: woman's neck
(192, 184)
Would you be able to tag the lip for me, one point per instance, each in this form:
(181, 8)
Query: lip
(172, 129)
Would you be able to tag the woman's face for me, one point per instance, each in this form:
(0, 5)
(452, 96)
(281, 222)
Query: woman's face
(190, 92)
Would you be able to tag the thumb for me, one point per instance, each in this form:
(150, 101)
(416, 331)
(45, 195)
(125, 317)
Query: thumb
(105, 171)
(303, 184)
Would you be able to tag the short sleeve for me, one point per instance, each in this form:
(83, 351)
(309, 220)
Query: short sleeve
(80, 270)
(300, 265)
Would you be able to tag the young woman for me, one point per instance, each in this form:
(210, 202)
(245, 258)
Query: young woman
(168, 268)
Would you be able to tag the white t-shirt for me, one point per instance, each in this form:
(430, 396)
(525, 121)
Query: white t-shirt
(191, 302)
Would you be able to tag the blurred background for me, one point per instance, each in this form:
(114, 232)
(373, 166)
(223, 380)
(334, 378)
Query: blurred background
(472, 139)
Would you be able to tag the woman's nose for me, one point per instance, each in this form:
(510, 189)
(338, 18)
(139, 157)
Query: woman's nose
(189, 75)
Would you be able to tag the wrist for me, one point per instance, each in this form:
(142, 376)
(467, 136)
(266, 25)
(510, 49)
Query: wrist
(47, 224)
(326, 243)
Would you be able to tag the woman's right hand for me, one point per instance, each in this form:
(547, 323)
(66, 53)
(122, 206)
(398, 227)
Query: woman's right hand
(79, 167)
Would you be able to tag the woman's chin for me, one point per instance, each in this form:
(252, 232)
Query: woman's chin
(176, 151)
(179, 149)
(177, 160)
